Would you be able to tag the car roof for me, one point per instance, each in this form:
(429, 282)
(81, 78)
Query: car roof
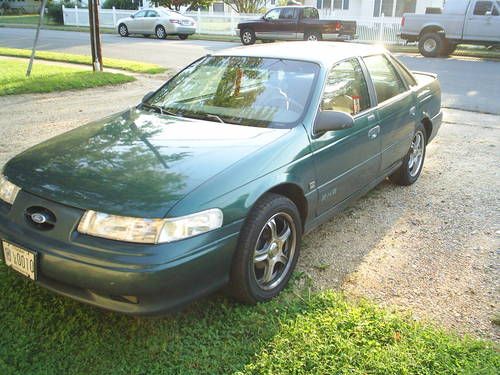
(324, 53)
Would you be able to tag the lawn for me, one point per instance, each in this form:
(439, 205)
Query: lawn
(49, 78)
(133, 66)
(42, 333)
(27, 19)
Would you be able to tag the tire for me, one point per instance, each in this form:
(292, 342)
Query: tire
(183, 36)
(258, 281)
(160, 32)
(410, 170)
(123, 30)
(312, 36)
(247, 37)
(431, 44)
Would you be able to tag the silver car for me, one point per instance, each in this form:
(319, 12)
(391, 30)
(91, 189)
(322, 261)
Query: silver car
(158, 21)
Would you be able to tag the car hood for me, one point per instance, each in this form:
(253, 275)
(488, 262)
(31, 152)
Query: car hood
(136, 163)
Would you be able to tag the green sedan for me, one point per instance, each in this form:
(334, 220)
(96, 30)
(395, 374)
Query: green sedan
(214, 178)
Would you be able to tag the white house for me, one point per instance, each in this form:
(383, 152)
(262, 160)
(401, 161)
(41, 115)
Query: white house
(355, 8)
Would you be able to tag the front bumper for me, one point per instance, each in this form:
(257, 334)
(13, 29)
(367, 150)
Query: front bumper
(123, 277)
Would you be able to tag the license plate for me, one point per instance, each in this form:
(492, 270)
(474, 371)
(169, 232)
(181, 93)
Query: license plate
(23, 261)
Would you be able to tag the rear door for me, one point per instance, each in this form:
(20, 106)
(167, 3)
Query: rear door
(346, 160)
(483, 21)
(396, 109)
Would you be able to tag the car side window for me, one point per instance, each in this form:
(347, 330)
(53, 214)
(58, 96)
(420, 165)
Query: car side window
(384, 76)
(273, 14)
(287, 14)
(140, 14)
(404, 72)
(346, 89)
(310, 13)
(482, 7)
(152, 13)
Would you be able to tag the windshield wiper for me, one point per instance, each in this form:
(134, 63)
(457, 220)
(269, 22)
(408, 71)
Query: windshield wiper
(162, 110)
(209, 115)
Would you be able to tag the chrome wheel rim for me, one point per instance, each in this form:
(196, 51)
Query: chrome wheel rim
(123, 30)
(160, 33)
(247, 37)
(430, 45)
(312, 37)
(416, 154)
(274, 251)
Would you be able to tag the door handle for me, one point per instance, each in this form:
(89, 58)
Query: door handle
(373, 132)
(413, 111)
(371, 117)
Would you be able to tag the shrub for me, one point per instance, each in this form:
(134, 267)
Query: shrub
(120, 4)
(55, 13)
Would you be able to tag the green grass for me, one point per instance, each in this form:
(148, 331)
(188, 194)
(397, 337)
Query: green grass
(27, 19)
(49, 78)
(299, 333)
(132, 66)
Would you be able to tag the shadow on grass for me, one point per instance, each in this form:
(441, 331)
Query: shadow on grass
(297, 333)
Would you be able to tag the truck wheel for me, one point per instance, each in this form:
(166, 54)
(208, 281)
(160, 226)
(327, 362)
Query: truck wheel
(431, 44)
(247, 37)
(312, 36)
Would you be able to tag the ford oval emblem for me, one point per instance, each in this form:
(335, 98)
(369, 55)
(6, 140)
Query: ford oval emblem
(38, 218)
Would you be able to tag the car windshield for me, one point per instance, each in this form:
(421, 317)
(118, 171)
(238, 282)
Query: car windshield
(252, 91)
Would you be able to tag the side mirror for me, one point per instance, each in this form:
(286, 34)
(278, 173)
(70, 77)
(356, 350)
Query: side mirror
(132, 16)
(148, 96)
(332, 120)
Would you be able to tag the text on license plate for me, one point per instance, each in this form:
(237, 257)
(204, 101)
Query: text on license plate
(21, 260)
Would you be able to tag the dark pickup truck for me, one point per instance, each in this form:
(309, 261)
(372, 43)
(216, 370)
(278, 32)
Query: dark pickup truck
(295, 23)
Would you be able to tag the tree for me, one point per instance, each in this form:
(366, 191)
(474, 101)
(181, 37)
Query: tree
(246, 6)
(176, 4)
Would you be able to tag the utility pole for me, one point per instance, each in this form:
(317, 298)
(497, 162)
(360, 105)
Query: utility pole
(95, 36)
(33, 51)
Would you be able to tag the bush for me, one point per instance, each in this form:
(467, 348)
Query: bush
(55, 13)
(120, 4)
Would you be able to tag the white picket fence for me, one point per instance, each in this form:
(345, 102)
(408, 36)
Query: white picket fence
(376, 29)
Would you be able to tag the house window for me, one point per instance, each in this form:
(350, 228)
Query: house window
(218, 7)
(405, 6)
(393, 8)
(337, 4)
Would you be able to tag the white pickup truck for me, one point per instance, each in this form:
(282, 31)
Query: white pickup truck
(460, 22)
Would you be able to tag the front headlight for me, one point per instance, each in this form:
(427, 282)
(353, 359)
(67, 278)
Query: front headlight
(153, 231)
(8, 191)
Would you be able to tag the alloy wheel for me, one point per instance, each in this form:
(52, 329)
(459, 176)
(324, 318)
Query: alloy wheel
(247, 37)
(416, 154)
(274, 251)
(430, 45)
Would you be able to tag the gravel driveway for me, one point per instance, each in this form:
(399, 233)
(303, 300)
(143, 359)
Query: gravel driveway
(431, 248)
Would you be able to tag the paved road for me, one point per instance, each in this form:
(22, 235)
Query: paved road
(469, 84)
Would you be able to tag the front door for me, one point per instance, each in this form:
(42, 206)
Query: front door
(285, 27)
(346, 160)
(396, 109)
(150, 21)
(483, 23)
(265, 29)
(136, 24)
